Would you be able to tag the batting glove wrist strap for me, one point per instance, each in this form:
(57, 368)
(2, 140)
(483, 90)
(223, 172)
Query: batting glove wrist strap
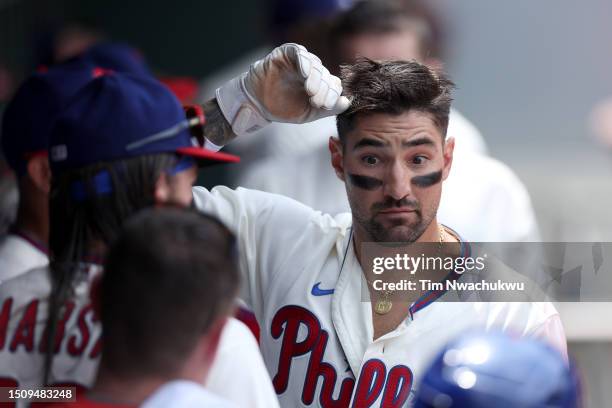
(239, 108)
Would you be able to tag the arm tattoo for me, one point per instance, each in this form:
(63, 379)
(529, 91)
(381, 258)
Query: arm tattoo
(216, 129)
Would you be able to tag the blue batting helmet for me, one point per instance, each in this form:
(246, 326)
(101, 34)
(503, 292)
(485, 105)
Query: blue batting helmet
(480, 370)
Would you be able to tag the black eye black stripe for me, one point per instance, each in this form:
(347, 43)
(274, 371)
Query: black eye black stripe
(371, 183)
(365, 182)
(427, 180)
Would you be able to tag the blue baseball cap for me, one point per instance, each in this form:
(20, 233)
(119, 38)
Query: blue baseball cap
(29, 117)
(118, 116)
(117, 57)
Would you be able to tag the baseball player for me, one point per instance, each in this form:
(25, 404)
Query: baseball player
(26, 125)
(482, 370)
(158, 254)
(103, 171)
(322, 345)
(498, 208)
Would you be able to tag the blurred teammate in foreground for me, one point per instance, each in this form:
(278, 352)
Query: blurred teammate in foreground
(160, 345)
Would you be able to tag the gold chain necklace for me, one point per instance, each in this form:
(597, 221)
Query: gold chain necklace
(384, 305)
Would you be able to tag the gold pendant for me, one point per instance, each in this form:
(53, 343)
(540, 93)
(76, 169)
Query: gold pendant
(383, 306)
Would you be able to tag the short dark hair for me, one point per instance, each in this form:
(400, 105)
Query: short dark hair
(169, 276)
(387, 16)
(394, 87)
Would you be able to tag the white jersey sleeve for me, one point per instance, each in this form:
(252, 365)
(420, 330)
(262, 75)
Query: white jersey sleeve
(239, 373)
(273, 231)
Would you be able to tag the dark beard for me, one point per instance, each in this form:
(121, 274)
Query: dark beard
(379, 233)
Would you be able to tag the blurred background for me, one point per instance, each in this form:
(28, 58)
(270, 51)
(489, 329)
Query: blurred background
(534, 79)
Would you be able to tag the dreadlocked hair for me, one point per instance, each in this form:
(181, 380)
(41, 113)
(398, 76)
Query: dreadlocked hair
(77, 223)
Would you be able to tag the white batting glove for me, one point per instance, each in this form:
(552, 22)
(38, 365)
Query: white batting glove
(289, 85)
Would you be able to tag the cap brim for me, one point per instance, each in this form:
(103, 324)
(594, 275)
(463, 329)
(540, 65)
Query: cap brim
(205, 156)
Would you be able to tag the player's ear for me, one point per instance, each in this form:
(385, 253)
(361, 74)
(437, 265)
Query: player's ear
(162, 189)
(335, 148)
(40, 173)
(449, 148)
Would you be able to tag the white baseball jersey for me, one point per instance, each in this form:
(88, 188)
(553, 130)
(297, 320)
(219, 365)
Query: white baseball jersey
(24, 303)
(19, 254)
(238, 373)
(303, 281)
(186, 394)
(175, 394)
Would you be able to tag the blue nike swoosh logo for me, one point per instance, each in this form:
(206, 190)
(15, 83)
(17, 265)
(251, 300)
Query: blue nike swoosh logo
(317, 291)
